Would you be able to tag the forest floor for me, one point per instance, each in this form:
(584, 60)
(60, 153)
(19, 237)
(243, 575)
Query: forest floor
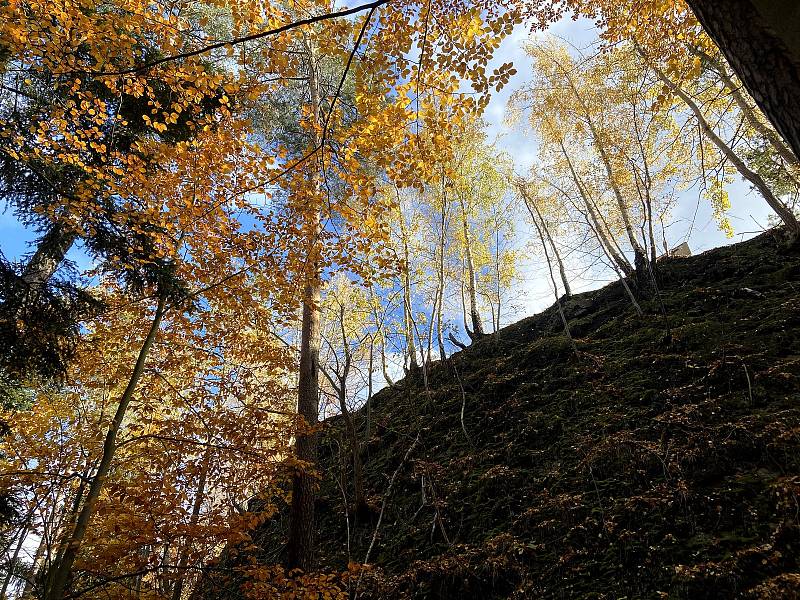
(645, 466)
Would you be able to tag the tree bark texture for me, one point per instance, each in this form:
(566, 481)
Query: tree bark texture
(759, 39)
(301, 517)
(301, 514)
(49, 255)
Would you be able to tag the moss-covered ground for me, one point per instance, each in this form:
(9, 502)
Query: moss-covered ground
(646, 466)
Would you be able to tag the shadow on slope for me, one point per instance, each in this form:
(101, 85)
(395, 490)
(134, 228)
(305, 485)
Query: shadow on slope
(642, 468)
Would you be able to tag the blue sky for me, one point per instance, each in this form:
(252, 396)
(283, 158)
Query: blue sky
(13, 237)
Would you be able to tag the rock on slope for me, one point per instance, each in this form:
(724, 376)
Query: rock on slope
(647, 466)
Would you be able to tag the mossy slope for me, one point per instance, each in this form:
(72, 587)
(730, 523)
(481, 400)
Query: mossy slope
(645, 467)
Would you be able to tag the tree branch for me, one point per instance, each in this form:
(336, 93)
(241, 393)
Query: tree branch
(247, 38)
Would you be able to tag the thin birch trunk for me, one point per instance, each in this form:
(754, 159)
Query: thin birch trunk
(598, 144)
(408, 315)
(786, 215)
(63, 569)
(764, 130)
(475, 317)
(555, 289)
(559, 262)
(464, 304)
(614, 266)
(618, 257)
(439, 339)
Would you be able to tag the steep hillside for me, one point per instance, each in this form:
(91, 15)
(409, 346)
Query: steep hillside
(647, 466)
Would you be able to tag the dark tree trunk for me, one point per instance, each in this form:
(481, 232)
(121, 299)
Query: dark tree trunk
(759, 39)
(643, 281)
(49, 255)
(13, 561)
(360, 498)
(301, 513)
(200, 495)
(301, 518)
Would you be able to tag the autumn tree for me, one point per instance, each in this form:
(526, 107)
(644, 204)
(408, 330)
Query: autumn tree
(349, 352)
(669, 38)
(750, 34)
(573, 105)
(335, 187)
(476, 178)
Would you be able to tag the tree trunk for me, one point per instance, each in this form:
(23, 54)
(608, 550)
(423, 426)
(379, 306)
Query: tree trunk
(564, 321)
(301, 518)
(381, 337)
(360, 498)
(620, 261)
(493, 306)
(619, 258)
(355, 444)
(749, 112)
(442, 236)
(592, 223)
(427, 353)
(464, 302)
(786, 215)
(13, 561)
(63, 568)
(497, 275)
(638, 252)
(475, 316)
(384, 364)
(651, 232)
(61, 526)
(368, 424)
(27, 591)
(561, 270)
(301, 514)
(408, 315)
(645, 184)
(194, 518)
(49, 254)
(759, 39)
(439, 338)
(599, 146)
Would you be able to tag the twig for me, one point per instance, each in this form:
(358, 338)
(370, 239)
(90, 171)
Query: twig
(383, 508)
(340, 483)
(463, 405)
(749, 385)
(240, 40)
(597, 491)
